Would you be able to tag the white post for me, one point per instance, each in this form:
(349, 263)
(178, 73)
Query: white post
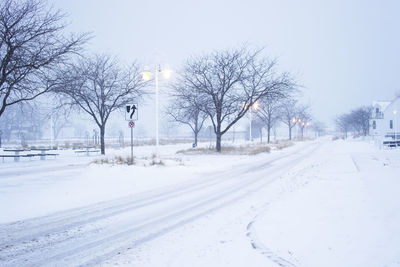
(394, 123)
(157, 70)
(51, 131)
(251, 136)
(131, 161)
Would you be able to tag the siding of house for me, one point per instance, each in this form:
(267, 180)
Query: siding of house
(386, 118)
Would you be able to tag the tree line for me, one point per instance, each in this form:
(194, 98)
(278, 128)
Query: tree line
(355, 121)
(37, 58)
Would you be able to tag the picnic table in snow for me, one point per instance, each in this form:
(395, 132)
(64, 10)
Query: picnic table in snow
(42, 153)
(17, 154)
(87, 150)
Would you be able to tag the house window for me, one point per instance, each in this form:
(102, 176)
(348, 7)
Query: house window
(391, 124)
(374, 125)
(377, 110)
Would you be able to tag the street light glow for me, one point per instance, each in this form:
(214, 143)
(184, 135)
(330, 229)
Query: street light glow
(166, 73)
(255, 105)
(146, 75)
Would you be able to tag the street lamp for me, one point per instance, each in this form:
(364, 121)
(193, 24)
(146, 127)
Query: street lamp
(146, 76)
(294, 121)
(255, 107)
(307, 124)
(394, 123)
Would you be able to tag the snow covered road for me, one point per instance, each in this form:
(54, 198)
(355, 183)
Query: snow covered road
(319, 203)
(96, 233)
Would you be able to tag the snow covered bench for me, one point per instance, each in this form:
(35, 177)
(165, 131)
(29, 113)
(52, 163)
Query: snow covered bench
(41, 155)
(10, 156)
(391, 144)
(87, 151)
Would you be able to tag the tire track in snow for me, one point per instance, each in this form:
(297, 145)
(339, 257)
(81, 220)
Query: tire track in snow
(56, 223)
(258, 245)
(264, 250)
(103, 210)
(355, 163)
(93, 250)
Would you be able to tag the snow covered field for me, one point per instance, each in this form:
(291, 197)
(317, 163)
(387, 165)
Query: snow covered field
(317, 203)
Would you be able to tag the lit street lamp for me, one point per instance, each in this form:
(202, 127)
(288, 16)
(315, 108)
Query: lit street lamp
(296, 122)
(255, 107)
(146, 76)
(306, 125)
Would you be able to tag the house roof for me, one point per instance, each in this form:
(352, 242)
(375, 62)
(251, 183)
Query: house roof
(382, 104)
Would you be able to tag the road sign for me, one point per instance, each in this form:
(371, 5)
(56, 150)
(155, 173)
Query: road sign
(131, 112)
(131, 124)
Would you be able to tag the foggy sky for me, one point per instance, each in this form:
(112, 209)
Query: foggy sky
(344, 53)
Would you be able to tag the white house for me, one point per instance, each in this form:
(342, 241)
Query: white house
(385, 120)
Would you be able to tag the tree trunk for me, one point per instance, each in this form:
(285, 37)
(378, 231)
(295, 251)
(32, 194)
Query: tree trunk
(268, 134)
(218, 143)
(219, 135)
(290, 131)
(102, 144)
(196, 132)
(195, 139)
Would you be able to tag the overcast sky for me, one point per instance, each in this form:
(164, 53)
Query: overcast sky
(345, 53)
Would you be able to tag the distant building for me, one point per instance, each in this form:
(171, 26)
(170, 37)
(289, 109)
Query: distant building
(385, 119)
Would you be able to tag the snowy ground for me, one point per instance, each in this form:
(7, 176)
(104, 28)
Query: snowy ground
(320, 203)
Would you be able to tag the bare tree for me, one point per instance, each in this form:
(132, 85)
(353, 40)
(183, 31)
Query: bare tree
(268, 111)
(99, 86)
(303, 117)
(357, 121)
(59, 115)
(289, 114)
(360, 119)
(185, 108)
(22, 118)
(343, 123)
(31, 48)
(319, 128)
(229, 82)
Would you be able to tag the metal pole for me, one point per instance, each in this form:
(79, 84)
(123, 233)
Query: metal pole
(394, 124)
(157, 70)
(251, 136)
(51, 131)
(131, 145)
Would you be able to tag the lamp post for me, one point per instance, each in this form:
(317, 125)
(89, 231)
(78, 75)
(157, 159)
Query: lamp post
(254, 106)
(294, 120)
(298, 127)
(307, 124)
(251, 118)
(146, 76)
(394, 123)
(51, 131)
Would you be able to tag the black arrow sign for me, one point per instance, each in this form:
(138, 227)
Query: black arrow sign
(131, 110)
